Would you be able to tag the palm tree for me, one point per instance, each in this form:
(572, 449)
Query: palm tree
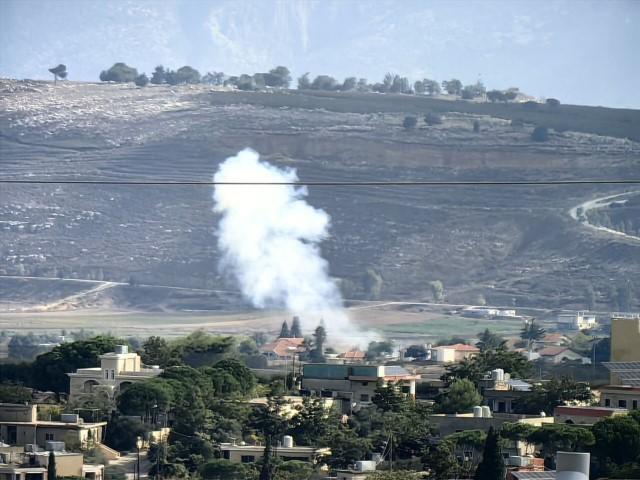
(531, 333)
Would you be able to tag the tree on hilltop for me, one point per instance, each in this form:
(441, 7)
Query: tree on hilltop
(59, 71)
(158, 76)
(120, 72)
(453, 86)
(142, 80)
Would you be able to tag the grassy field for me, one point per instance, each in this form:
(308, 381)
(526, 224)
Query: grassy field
(449, 326)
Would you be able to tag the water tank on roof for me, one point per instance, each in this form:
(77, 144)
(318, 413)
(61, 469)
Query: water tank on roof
(122, 349)
(477, 412)
(55, 446)
(365, 465)
(486, 411)
(69, 417)
(572, 466)
(287, 441)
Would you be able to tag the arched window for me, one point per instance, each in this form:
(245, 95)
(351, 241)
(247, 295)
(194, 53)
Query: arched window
(89, 386)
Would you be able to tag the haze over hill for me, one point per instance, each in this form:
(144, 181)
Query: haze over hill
(578, 52)
(512, 245)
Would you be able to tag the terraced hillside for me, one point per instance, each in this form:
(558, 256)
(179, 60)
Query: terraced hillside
(512, 244)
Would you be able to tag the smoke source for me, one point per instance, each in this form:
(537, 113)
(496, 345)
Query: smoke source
(269, 237)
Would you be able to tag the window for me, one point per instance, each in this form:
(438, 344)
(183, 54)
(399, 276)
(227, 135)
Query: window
(364, 397)
(364, 384)
(622, 403)
(405, 389)
(247, 458)
(106, 374)
(607, 402)
(113, 374)
(226, 455)
(635, 404)
(48, 437)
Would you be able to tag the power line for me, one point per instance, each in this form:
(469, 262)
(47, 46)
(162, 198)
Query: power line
(435, 183)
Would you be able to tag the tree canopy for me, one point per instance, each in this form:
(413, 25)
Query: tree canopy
(120, 72)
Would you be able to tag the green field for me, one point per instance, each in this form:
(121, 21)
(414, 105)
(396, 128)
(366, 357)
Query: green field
(449, 326)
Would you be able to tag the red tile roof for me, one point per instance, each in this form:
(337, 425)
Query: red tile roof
(352, 355)
(461, 347)
(587, 411)
(552, 351)
(283, 346)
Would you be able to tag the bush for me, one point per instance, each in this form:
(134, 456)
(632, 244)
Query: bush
(142, 80)
(530, 105)
(553, 102)
(119, 72)
(409, 122)
(432, 119)
(540, 134)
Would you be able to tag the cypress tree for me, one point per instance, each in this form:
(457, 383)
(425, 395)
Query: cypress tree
(51, 467)
(492, 465)
(296, 331)
(284, 331)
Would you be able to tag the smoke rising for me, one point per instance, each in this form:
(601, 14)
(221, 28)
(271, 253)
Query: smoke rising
(269, 238)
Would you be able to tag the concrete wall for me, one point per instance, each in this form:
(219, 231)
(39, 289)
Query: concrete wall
(11, 412)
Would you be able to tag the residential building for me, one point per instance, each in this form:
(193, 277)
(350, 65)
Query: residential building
(561, 354)
(116, 372)
(353, 385)
(282, 349)
(625, 339)
(585, 415)
(577, 321)
(243, 453)
(554, 339)
(448, 424)
(19, 465)
(453, 353)
(501, 393)
(19, 425)
(360, 471)
(620, 396)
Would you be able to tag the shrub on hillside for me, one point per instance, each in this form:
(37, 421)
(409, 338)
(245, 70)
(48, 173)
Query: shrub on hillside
(540, 134)
(553, 102)
(432, 118)
(119, 72)
(142, 80)
(410, 122)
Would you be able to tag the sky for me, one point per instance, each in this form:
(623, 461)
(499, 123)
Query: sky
(579, 51)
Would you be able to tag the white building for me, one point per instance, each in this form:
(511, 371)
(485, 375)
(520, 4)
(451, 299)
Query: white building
(116, 372)
(577, 321)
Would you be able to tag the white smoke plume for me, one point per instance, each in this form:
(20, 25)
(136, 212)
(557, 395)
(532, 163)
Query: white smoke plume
(269, 238)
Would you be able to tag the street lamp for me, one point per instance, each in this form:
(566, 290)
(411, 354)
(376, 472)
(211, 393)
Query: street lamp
(138, 446)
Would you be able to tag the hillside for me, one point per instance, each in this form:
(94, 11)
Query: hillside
(510, 244)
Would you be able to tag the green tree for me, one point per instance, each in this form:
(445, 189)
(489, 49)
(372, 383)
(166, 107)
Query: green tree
(492, 465)
(559, 437)
(409, 122)
(363, 86)
(349, 84)
(540, 134)
(51, 467)
(532, 333)
(158, 76)
(296, 330)
(489, 340)
(435, 286)
(431, 87)
(49, 371)
(460, 397)
(278, 77)
(418, 87)
(156, 351)
(188, 75)
(10, 393)
(221, 469)
(59, 71)
(303, 82)
(146, 399)
(346, 446)
(453, 86)
(440, 459)
(323, 82)
(142, 80)
(617, 441)
(388, 398)
(284, 331)
(546, 397)
(122, 432)
(120, 73)
(311, 423)
(553, 102)
(271, 424)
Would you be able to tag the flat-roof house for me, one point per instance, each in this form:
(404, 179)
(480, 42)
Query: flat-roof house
(453, 353)
(353, 385)
(286, 450)
(585, 415)
(116, 372)
(19, 425)
(19, 465)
